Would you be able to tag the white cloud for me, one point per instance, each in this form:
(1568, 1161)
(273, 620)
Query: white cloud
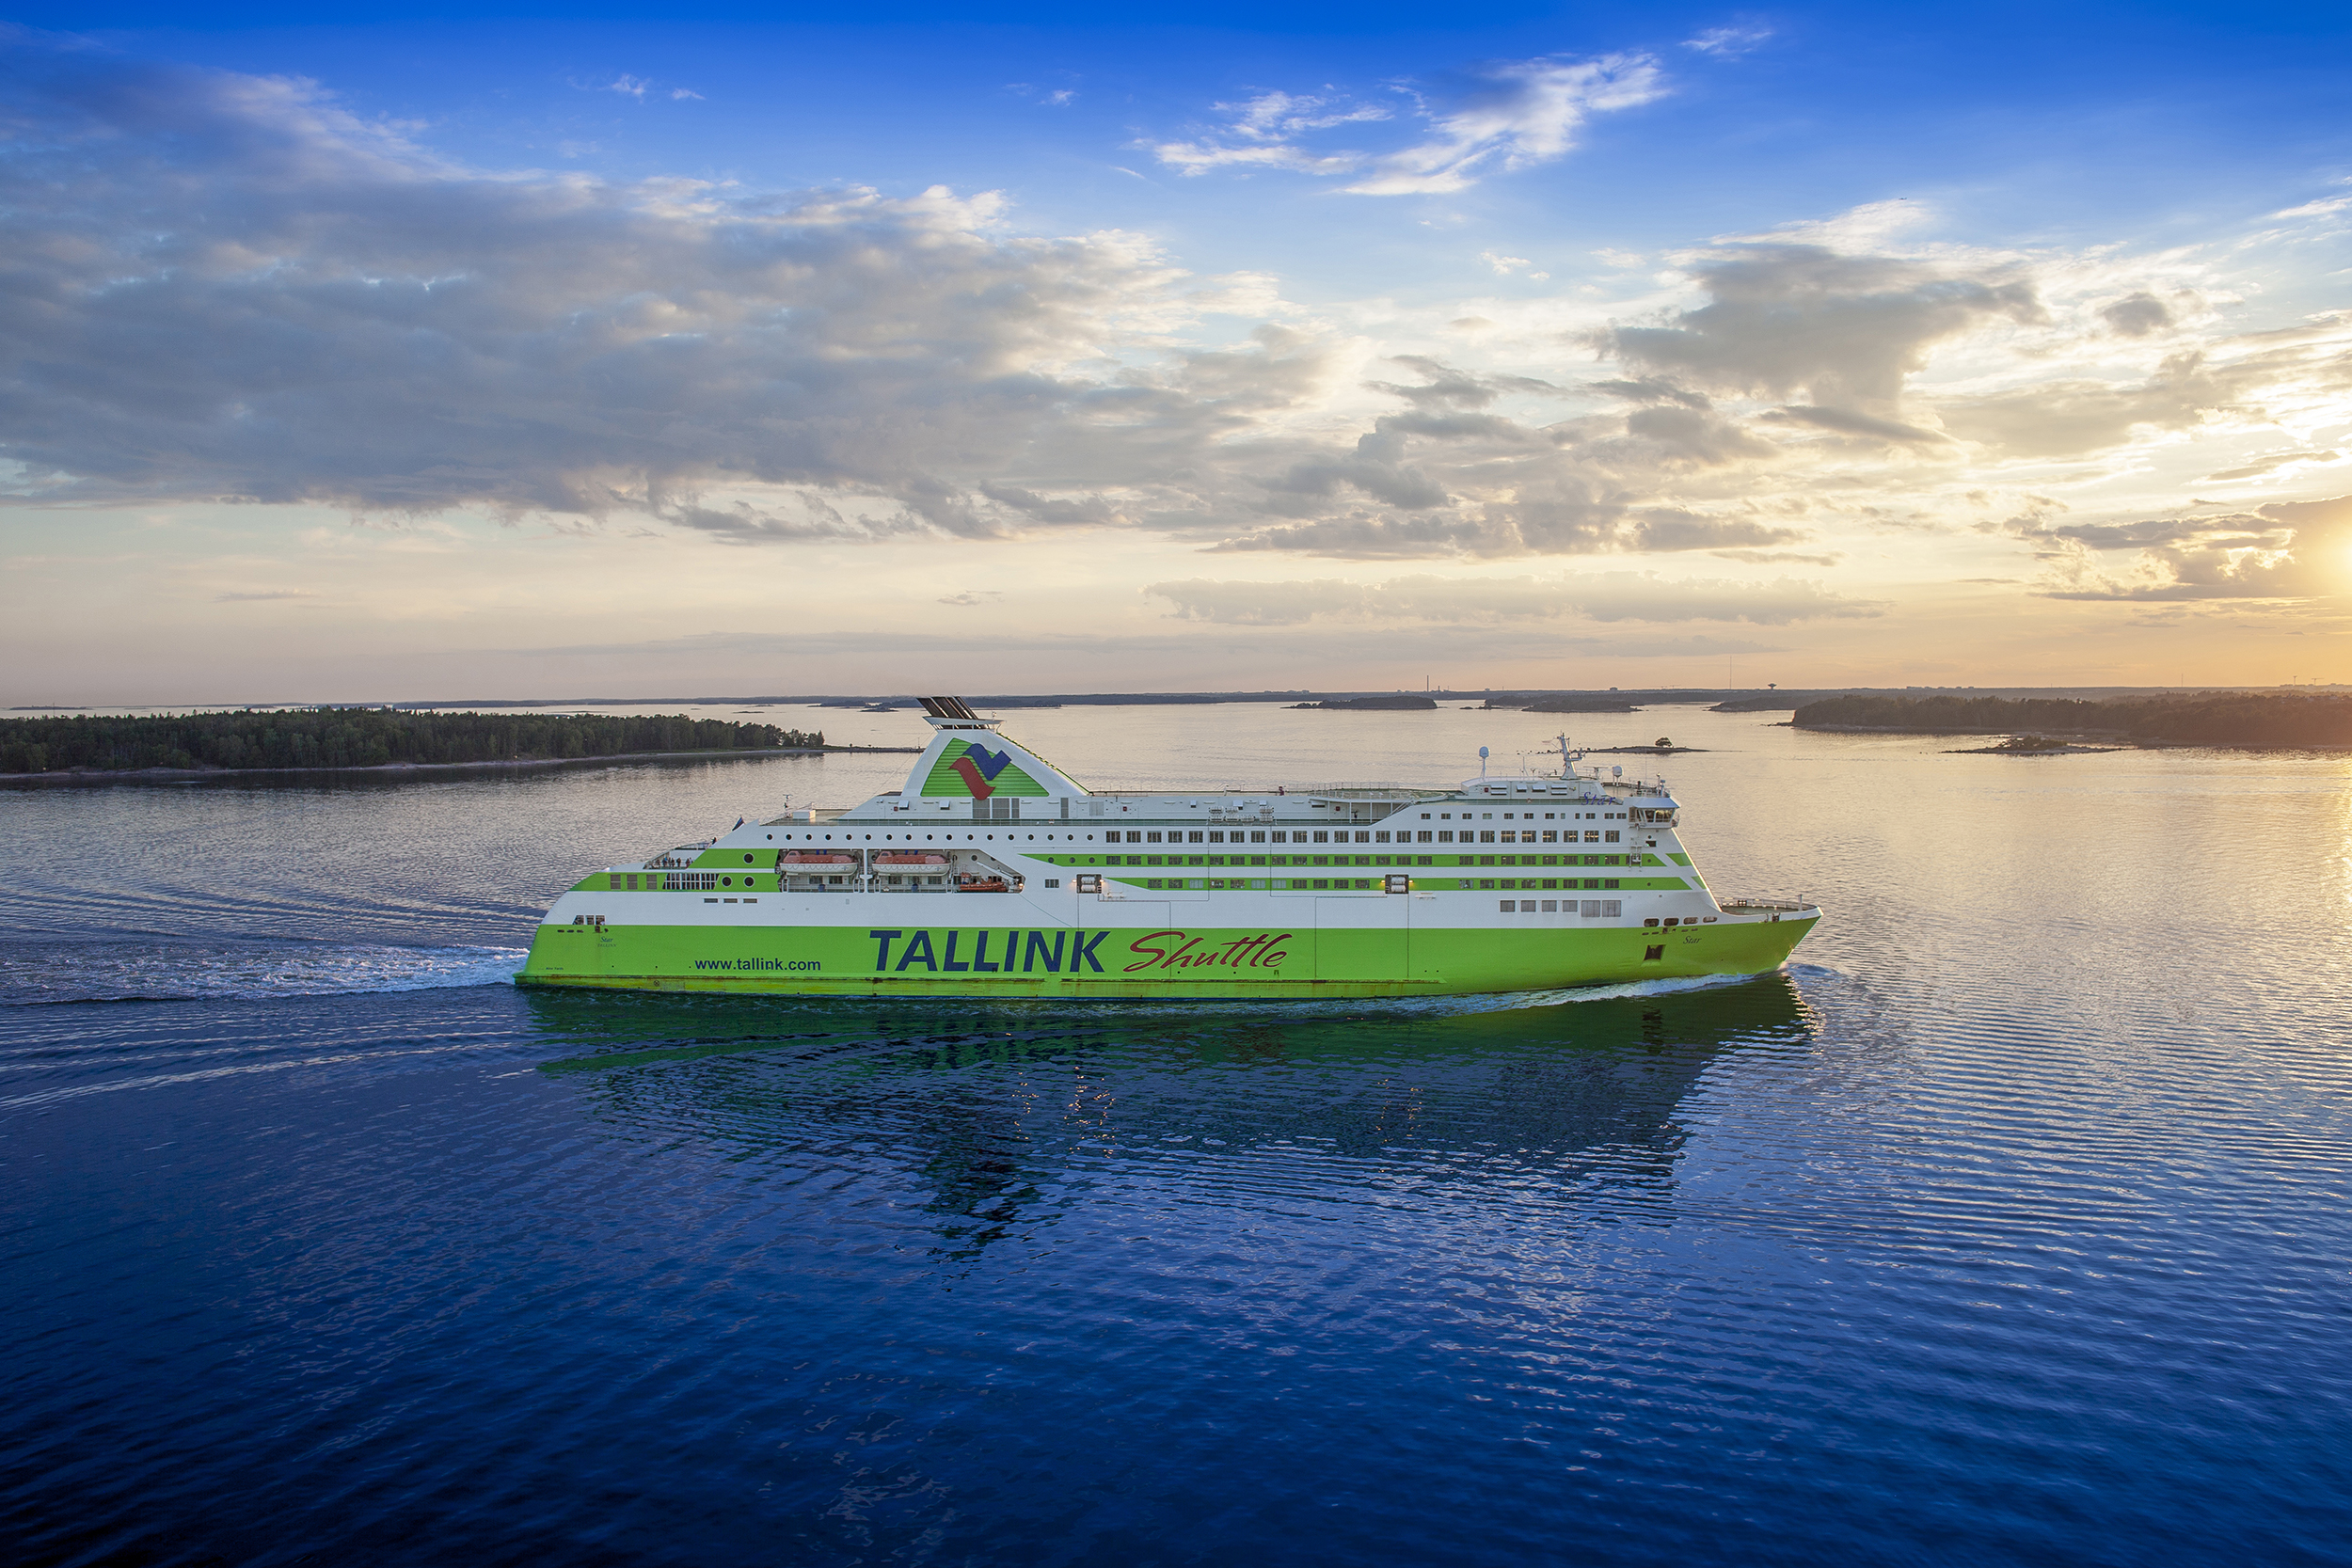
(1607, 596)
(1506, 266)
(1729, 44)
(630, 86)
(2285, 550)
(1844, 330)
(1505, 117)
(227, 287)
(2316, 208)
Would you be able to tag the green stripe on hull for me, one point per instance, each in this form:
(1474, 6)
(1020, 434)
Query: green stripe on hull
(1155, 959)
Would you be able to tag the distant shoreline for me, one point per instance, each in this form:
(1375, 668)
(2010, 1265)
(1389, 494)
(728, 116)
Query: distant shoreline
(1736, 698)
(176, 775)
(2301, 720)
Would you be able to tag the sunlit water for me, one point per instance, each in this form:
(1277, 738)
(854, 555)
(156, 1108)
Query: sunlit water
(2011, 1225)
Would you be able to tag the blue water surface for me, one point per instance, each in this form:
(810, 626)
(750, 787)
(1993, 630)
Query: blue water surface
(2009, 1225)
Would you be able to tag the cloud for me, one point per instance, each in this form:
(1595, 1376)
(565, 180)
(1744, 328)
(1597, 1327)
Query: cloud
(1261, 133)
(1843, 331)
(1611, 596)
(1448, 388)
(1503, 117)
(1653, 391)
(2284, 550)
(259, 596)
(1729, 44)
(2321, 208)
(229, 287)
(2136, 315)
(2264, 467)
(630, 86)
(1847, 422)
(1774, 558)
(1563, 518)
(1505, 265)
(2067, 417)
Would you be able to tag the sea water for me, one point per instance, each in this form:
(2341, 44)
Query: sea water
(2011, 1224)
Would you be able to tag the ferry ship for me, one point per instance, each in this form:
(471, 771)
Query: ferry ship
(992, 873)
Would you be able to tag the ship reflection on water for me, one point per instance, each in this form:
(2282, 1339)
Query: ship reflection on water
(992, 1123)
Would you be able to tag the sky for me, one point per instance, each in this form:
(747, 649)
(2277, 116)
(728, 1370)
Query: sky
(436, 352)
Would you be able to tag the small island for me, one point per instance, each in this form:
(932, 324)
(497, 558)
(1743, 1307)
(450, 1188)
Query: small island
(302, 740)
(2032, 746)
(2251, 718)
(1581, 705)
(1403, 702)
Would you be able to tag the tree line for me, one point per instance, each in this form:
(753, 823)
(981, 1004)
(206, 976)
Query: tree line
(362, 738)
(2201, 719)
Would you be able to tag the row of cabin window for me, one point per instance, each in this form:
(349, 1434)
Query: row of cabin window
(1426, 836)
(1530, 817)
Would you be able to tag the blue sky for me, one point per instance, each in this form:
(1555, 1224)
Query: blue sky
(1578, 345)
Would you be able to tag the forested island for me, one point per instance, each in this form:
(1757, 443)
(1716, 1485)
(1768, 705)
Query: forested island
(2203, 719)
(363, 737)
(1400, 703)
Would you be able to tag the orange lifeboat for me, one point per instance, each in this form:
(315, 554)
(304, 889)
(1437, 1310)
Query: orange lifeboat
(909, 858)
(815, 857)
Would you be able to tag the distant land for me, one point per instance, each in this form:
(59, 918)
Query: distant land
(2267, 718)
(294, 738)
(1723, 699)
(366, 738)
(1570, 703)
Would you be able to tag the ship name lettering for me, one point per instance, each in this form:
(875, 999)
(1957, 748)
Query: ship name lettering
(1262, 951)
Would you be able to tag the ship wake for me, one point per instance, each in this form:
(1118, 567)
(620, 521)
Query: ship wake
(137, 969)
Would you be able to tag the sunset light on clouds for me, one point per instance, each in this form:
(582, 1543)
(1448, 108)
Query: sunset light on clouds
(408, 357)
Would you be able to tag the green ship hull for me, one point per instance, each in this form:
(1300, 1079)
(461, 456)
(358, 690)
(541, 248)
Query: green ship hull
(1265, 961)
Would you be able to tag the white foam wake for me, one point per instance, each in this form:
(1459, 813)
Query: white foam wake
(166, 971)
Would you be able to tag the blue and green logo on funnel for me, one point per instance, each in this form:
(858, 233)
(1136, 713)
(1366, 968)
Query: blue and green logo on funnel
(964, 768)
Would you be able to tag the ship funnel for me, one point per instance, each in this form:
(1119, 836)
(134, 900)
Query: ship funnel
(968, 764)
